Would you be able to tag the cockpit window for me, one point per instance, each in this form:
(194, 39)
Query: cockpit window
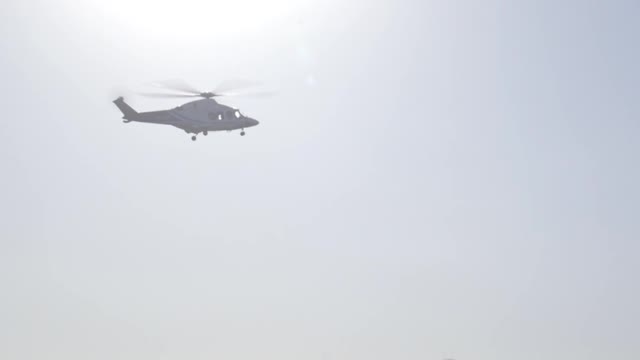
(237, 114)
(219, 116)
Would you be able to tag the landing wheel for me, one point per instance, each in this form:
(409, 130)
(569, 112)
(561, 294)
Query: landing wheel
(205, 133)
(242, 133)
(193, 138)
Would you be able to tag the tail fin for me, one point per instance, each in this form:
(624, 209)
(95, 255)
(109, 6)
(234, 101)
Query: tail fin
(127, 110)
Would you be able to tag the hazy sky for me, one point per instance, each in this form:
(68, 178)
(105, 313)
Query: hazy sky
(434, 179)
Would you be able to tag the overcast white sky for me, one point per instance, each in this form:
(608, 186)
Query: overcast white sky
(434, 179)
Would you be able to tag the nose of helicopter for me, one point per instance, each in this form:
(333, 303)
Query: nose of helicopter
(252, 122)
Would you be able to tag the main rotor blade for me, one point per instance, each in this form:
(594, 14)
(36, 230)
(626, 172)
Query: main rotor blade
(261, 93)
(158, 95)
(178, 85)
(234, 85)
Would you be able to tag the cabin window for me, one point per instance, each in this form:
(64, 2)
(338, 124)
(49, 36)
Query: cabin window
(219, 116)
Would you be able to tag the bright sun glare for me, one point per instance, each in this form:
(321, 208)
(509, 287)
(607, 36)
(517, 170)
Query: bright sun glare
(191, 17)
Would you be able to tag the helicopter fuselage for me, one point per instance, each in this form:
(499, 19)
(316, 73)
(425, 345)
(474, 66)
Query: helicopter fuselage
(200, 116)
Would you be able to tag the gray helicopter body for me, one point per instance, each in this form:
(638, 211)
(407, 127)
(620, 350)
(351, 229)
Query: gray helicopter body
(200, 116)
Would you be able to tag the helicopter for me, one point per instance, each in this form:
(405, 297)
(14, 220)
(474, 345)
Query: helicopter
(200, 116)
